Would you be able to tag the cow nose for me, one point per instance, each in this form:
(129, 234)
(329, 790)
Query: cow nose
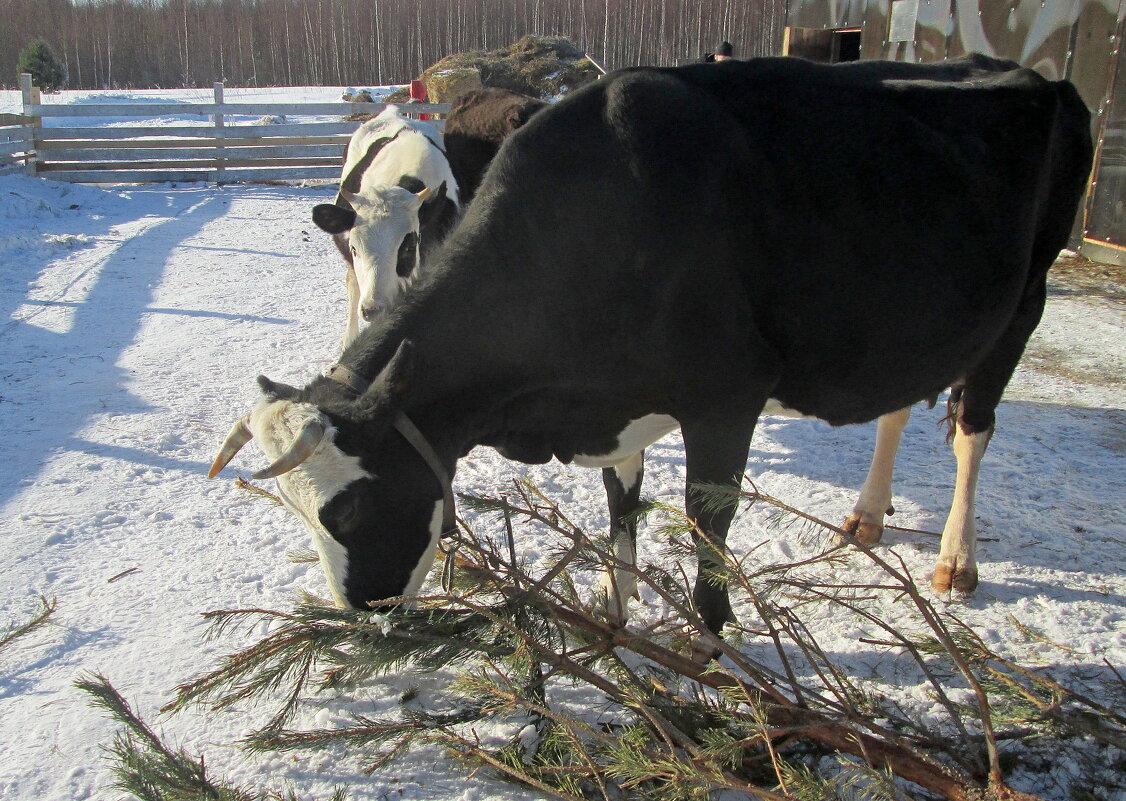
(371, 312)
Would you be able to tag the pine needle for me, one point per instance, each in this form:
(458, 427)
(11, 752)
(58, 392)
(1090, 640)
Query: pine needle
(257, 492)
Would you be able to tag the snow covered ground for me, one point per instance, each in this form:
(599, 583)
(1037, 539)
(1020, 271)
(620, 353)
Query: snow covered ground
(133, 323)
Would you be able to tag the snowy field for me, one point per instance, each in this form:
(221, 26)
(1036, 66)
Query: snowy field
(134, 321)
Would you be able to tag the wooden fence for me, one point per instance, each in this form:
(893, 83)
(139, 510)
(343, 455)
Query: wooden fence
(216, 152)
(16, 142)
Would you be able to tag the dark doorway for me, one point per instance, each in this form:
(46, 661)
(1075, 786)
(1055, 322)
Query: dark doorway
(827, 45)
(846, 46)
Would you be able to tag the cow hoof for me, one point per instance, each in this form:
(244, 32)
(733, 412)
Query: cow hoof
(615, 612)
(865, 533)
(951, 577)
(703, 651)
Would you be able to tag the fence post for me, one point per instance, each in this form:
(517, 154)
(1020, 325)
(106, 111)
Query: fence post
(31, 97)
(220, 132)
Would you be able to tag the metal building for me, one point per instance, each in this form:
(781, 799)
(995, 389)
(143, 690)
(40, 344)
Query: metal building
(1078, 40)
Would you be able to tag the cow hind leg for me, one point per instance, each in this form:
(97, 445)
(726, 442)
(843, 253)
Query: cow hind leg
(623, 494)
(956, 568)
(973, 408)
(866, 522)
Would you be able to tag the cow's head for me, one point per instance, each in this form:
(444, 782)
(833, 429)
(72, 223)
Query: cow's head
(371, 502)
(382, 230)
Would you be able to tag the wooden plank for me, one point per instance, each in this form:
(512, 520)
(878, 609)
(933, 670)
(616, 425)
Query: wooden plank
(8, 148)
(218, 121)
(172, 144)
(166, 176)
(128, 176)
(333, 152)
(210, 109)
(203, 163)
(344, 129)
(14, 119)
(22, 134)
(328, 174)
(30, 96)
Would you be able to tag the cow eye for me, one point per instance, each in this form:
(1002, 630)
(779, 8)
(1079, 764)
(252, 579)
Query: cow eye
(407, 256)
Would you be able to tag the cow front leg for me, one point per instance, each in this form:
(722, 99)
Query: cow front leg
(866, 522)
(956, 568)
(623, 495)
(715, 454)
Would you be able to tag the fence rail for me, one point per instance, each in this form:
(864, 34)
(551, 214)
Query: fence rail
(212, 151)
(16, 142)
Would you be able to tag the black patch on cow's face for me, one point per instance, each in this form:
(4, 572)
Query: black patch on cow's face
(408, 255)
(384, 524)
(333, 219)
(411, 184)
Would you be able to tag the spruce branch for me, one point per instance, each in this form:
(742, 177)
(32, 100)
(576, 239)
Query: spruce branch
(47, 608)
(680, 729)
(152, 771)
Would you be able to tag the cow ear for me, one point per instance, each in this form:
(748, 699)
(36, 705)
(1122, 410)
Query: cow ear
(275, 391)
(432, 205)
(332, 219)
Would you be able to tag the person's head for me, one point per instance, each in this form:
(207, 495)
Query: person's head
(725, 51)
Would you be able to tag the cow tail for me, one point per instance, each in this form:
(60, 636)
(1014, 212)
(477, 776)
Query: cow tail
(953, 408)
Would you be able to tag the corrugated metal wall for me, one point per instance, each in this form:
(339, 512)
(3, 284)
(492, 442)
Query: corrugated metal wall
(1077, 40)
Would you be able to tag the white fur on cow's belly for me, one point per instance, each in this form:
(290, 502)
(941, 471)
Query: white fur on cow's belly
(643, 432)
(636, 437)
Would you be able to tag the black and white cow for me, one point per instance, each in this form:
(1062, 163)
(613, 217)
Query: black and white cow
(477, 124)
(672, 248)
(398, 199)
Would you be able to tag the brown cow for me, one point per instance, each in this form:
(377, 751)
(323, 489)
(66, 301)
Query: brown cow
(478, 122)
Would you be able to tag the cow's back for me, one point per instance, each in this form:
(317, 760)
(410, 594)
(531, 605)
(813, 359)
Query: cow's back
(388, 147)
(778, 218)
(904, 203)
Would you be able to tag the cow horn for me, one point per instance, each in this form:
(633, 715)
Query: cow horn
(239, 435)
(301, 449)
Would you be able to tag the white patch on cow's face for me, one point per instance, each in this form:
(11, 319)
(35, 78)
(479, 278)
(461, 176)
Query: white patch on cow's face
(306, 489)
(419, 574)
(636, 437)
(385, 216)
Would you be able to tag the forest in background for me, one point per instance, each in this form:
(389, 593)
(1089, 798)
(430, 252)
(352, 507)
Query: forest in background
(185, 43)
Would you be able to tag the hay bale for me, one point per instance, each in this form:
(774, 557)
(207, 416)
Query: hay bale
(353, 95)
(448, 85)
(539, 66)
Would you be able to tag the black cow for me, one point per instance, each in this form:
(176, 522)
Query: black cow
(477, 124)
(673, 247)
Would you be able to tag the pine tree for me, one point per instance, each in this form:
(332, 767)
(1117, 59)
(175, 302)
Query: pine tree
(47, 71)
